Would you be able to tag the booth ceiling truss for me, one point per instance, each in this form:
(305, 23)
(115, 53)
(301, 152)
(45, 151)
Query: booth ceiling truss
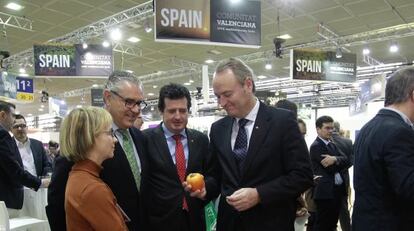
(16, 22)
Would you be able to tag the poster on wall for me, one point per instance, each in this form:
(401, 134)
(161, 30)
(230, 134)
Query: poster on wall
(313, 64)
(8, 87)
(72, 60)
(208, 22)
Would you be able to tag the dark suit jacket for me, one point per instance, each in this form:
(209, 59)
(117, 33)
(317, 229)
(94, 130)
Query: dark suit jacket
(384, 175)
(165, 192)
(12, 174)
(325, 187)
(277, 165)
(42, 164)
(116, 174)
(345, 146)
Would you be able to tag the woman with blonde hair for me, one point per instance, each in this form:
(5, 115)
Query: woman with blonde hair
(86, 138)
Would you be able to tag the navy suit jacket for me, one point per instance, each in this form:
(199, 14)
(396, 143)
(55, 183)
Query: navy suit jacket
(42, 164)
(12, 174)
(277, 165)
(164, 195)
(116, 173)
(384, 175)
(325, 187)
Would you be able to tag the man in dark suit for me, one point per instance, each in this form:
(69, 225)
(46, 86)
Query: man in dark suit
(330, 163)
(12, 174)
(345, 146)
(169, 206)
(263, 158)
(384, 161)
(32, 152)
(123, 99)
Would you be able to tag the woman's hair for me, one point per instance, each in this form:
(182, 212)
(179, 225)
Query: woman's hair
(79, 129)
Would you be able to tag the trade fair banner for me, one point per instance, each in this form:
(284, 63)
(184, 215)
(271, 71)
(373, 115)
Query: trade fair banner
(24, 89)
(208, 22)
(54, 60)
(312, 64)
(72, 60)
(370, 90)
(8, 87)
(95, 60)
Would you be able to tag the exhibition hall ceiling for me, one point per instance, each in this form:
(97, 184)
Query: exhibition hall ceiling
(161, 63)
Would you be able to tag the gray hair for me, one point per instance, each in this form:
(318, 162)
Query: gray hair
(337, 126)
(117, 77)
(239, 69)
(400, 86)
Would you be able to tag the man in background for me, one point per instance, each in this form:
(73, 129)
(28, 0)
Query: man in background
(345, 146)
(330, 163)
(32, 152)
(174, 151)
(139, 122)
(13, 176)
(384, 161)
(123, 96)
(54, 151)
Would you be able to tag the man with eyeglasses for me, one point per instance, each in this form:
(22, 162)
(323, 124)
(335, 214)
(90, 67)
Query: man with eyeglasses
(13, 176)
(123, 97)
(32, 152)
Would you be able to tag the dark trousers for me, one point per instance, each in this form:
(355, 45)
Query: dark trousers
(327, 211)
(344, 218)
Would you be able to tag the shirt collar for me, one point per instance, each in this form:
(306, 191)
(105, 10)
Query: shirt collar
(168, 133)
(403, 116)
(18, 143)
(325, 141)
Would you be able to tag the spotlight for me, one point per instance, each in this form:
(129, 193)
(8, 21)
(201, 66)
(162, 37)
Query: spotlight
(366, 51)
(116, 34)
(45, 97)
(393, 47)
(268, 66)
(338, 53)
(84, 45)
(278, 46)
(147, 27)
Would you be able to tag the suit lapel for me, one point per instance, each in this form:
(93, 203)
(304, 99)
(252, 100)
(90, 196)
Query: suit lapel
(192, 149)
(36, 157)
(225, 130)
(259, 132)
(164, 151)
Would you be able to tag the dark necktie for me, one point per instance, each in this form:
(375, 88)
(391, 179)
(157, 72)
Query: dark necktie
(180, 162)
(240, 146)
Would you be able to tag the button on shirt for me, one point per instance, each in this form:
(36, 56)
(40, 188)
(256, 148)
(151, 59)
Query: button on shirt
(249, 125)
(171, 143)
(120, 139)
(27, 156)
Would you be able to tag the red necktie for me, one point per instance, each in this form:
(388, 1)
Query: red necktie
(180, 162)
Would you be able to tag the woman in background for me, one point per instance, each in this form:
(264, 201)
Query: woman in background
(86, 138)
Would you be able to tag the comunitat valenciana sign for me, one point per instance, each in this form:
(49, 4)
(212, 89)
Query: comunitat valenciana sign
(72, 60)
(312, 64)
(223, 22)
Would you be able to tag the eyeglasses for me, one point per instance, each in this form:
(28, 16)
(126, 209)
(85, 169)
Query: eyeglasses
(22, 126)
(130, 103)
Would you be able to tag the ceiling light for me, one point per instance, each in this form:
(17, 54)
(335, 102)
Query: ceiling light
(105, 44)
(150, 94)
(147, 26)
(268, 66)
(187, 83)
(261, 77)
(22, 70)
(116, 34)
(234, 1)
(129, 71)
(133, 39)
(208, 61)
(191, 81)
(84, 45)
(394, 47)
(154, 86)
(30, 114)
(285, 36)
(14, 6)
(95, 85)
(40, 109)
(338, 53)
(366, 51)
(78, 106)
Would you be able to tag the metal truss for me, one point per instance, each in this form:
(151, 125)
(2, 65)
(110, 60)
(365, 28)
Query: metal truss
(371, 61)
(125, 49)
(16, 22)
